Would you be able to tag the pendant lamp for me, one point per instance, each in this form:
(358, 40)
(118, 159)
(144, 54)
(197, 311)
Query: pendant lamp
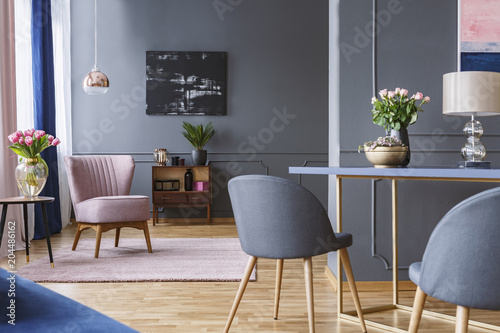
(95, 82)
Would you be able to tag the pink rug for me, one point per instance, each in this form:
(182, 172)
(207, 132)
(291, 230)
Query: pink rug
(173, 259)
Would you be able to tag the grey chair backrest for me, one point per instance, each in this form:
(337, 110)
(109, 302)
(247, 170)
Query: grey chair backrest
(461, 263)
(277, 218)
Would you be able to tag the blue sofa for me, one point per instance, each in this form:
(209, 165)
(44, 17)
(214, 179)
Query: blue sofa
(38, 309)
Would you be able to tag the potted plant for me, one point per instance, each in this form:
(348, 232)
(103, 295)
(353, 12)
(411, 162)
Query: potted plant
(198, 136)
(385, 152)
(395, 111)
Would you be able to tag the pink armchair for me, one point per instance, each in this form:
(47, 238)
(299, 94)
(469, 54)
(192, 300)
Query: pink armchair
(100, 187)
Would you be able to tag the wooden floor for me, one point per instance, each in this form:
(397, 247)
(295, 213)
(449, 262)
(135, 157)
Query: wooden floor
(204, 306)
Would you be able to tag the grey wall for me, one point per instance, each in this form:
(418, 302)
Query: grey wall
(416, 45)
(277, 63)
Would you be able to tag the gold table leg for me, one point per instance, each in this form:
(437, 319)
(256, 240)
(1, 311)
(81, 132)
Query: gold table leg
(340, 291)
(395, 264)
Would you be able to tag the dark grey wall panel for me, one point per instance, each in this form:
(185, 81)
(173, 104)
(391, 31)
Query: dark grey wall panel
(277, 82)
(416, 45)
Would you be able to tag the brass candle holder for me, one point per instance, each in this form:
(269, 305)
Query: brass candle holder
(162, 157)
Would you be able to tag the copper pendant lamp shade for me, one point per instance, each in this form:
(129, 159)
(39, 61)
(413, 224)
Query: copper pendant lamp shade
(95, 82)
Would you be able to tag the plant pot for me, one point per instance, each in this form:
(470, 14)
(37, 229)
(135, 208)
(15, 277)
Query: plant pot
(387, 157)
(31, 177)
(199, 157)
(403, 136)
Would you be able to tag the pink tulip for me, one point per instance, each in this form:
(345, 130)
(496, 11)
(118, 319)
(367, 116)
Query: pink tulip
(383, 93)
(374, 99)
(13, 138)
(56, 141)
(29, 141)
(427, 99)
(403, 92)
(19, 134)
(50, 138)
(419, 96)
(21, 141)
(391, 94)
(397, 90)
(29, 132)
(38, 134)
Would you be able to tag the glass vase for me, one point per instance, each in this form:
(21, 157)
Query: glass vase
(31, 177)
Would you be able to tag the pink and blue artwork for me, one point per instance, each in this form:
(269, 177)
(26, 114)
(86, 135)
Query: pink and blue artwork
(480, 35)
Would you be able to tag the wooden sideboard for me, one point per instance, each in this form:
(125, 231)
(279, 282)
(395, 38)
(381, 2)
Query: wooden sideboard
(181, 198)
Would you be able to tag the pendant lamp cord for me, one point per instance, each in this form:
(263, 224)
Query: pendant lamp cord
(95, 33)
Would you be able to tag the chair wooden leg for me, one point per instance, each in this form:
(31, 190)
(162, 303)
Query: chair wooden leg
(243, 284)
(462, 324)
(146, 235)
(98, 240)
(77, 236)
(117, 236)
(344, 256)
(277, 290)
(418, 307)
(308, 274)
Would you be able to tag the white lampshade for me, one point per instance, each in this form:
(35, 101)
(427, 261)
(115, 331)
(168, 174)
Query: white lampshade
(471, 94)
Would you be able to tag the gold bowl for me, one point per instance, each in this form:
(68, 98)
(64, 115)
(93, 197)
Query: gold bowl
(386, 157)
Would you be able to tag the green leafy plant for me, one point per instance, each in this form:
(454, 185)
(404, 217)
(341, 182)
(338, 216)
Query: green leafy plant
(383, 141)
(199, 135)
(395, 110)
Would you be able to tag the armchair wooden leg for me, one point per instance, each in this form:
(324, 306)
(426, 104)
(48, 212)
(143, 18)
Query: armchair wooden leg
(462, 324)
(308, 274)
(418, 307)
(77, 236)
(146, 235)
(344, 256)
(117, 236)
(241, 290)
(98, 240)
(277, 290)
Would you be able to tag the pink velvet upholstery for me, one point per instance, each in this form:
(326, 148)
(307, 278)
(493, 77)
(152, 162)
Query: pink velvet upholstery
(112, 208)
(100, 187)
(98, 176)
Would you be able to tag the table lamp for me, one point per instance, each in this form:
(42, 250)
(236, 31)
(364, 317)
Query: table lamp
(472, 94)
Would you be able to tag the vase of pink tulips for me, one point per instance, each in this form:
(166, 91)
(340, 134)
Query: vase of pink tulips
(31, 174)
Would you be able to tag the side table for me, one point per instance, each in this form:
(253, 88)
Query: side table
(25, 201)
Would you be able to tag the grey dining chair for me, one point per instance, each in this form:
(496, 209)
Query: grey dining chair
(461, 260)
(279, 219)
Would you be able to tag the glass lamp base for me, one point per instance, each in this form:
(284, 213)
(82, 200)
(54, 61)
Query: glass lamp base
(474, 164)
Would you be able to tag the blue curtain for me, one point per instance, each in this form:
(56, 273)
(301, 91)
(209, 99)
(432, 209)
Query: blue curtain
(44, 108)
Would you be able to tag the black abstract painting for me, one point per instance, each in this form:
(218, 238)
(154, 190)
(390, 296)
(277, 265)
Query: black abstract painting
(185, 83)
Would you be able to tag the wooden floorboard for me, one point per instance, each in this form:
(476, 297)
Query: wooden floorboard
(204, 306)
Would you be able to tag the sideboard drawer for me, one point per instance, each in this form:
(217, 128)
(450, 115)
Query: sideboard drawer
(166, 198)
(198, 198)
